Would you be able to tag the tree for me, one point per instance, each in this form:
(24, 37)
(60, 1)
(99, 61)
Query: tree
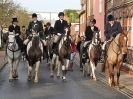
(23, 16)
(73, 15)
(8, 9)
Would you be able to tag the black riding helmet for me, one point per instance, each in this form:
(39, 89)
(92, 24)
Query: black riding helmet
(93, 21)
(110, 18)
(34, 15)
(60, 14)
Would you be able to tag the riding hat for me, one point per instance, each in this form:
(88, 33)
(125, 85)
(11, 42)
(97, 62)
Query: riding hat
(93, 21)
(110, 18)
(14, 19)
(60, 14)
(34, 15)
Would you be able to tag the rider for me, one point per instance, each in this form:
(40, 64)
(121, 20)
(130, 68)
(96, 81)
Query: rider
(112, 28)
(59, 28)
(38, 27)
(49, 29)
(16, 29)
(89, 34)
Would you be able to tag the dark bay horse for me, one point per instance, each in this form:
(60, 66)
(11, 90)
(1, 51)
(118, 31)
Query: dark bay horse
(114, 57)
(34, 55)
(94, 54)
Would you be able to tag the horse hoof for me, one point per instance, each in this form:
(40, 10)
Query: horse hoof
(29, 78)
(10, 80)
(81, 69)
(58, 77)
(36, 81)
(94, 79)
(51, 76)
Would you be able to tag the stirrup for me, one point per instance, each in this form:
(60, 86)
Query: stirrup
(83, 55)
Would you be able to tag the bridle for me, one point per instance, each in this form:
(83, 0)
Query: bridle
(119, 46)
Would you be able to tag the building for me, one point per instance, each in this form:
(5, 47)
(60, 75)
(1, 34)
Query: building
(92, 9)
(83, 18)
(123, 12)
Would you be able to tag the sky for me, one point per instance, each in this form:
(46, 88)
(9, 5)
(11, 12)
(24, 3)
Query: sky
(48, 5)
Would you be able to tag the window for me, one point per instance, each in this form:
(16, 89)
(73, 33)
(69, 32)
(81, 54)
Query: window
(100, 6)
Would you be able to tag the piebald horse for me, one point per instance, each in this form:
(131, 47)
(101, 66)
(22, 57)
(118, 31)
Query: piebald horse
(34, 55)
(114, 57)
(63, 58)
(13, 56)
(94, 54)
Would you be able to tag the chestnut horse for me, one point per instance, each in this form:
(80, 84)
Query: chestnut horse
(114, 57)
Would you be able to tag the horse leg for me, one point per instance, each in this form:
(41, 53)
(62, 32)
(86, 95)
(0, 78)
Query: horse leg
(29, 72)
(10, 69)
(67, 66)
(63, 69)
(51, 71)
(51, 67)
(118, 73)
(111, 75)
(93, 67)
(36, 71)
(16, 68)
(58, 64)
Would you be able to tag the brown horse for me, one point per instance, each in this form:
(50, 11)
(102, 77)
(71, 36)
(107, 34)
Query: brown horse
(34, 55)
(114, 57)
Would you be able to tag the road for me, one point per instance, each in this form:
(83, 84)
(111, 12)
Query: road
(76, 87)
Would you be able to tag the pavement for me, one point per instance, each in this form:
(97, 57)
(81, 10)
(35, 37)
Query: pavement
(126, 78)
(3, 60)
(76, 87)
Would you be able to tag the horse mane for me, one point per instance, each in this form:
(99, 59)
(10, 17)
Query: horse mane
(35, 42)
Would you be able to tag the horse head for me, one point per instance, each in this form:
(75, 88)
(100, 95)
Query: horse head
(96, 39)
(12, 41)
(122, 42)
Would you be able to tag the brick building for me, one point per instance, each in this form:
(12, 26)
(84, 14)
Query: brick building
(92, 9)
(123, 12)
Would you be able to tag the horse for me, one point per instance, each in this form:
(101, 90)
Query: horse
(49, 41)
(63, 56)
(34, 55)
(94, 54)
(114, 57)
(13, 53)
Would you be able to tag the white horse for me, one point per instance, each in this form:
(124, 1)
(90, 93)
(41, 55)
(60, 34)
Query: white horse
(13, 56)
(34, 55)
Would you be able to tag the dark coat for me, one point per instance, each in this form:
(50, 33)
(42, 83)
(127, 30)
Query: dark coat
(48, 31)
(15, 29)
(89, 33)
(59, 27)
(38, 27)
(112, 30)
